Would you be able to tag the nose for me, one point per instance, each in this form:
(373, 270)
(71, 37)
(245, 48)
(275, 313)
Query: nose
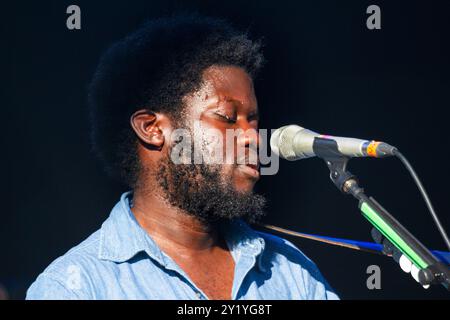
(249, 137)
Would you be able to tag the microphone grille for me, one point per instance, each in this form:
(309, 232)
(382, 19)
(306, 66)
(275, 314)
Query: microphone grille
(281, 141)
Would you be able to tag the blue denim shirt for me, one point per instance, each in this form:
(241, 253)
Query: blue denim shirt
(121, 261)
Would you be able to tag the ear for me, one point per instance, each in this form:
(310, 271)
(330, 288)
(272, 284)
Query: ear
(146, 126)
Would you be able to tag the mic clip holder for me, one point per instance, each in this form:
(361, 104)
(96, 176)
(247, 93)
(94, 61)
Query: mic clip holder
(395, 238)
(327, 150)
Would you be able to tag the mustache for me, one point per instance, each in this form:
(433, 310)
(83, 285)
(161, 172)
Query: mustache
(250, 158)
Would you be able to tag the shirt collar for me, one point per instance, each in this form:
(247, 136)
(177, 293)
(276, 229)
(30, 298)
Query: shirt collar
(121, 237)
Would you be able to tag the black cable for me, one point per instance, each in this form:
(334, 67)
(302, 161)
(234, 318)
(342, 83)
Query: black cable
(424, 195)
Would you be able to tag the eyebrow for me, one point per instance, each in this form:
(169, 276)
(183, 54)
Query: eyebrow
(226, 98)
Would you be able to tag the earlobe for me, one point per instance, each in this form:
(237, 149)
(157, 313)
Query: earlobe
(145, 125)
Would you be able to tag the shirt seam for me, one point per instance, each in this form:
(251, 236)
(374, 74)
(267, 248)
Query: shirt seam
(50, 277)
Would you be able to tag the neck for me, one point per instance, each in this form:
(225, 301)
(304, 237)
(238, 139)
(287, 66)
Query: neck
(171, 228)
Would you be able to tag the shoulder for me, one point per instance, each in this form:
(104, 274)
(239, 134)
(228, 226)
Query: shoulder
(293, 263)
(69, 276)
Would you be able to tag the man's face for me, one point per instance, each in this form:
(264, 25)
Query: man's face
(224, 105)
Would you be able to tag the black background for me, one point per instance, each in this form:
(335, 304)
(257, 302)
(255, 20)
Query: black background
(326, 71)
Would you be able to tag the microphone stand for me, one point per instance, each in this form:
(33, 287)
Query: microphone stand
(431, 269)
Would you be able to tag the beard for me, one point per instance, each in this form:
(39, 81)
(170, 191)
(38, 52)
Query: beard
(201, 191)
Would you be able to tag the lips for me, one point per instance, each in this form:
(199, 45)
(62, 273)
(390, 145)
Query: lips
(253, 166)
(249, 169)
(245, 161)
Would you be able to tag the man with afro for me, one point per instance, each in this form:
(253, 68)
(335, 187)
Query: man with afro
(183, 230)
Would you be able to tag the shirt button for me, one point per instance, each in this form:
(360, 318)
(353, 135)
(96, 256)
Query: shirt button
(199, 295)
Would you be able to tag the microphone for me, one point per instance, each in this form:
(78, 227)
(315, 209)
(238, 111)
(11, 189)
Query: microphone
(293, 142)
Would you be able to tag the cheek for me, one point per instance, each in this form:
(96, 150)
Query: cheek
(214, 147)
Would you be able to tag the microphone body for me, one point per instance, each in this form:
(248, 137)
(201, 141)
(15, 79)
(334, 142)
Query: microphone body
(293, 142)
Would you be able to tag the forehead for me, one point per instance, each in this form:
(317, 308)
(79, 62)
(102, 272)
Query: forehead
(230, 80)
(225, 83)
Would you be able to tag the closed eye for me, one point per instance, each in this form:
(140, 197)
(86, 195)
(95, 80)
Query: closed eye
(226, 118)
(253, 116)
